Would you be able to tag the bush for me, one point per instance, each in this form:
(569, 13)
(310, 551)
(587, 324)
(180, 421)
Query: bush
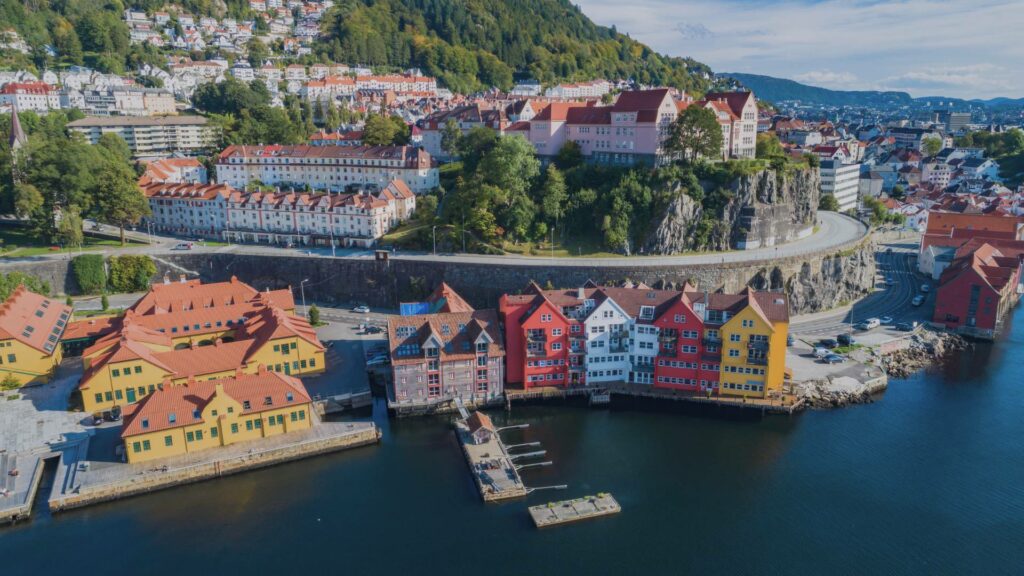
(9, 382)
(105, 303)
(131, 273)
(314, 315)
(89, 273)
(10, 281)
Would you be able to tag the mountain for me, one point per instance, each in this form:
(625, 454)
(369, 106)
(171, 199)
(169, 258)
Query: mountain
(777, 89)
(473, 44)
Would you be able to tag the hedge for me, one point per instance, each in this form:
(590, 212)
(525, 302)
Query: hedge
(11, 280)
(131, 273)
(89, 273)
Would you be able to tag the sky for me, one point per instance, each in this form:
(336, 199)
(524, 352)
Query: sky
(959, 48)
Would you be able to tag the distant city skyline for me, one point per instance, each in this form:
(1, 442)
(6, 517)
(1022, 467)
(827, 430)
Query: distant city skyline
(960, 48)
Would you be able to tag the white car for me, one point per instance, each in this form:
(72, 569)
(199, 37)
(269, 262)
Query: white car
(183, 246)
(361, 309)
(821, 352)
(918, 300)
(926, 288)
(872, 323)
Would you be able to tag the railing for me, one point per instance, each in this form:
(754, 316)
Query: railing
(757, 361)
(537, 337)
(711, 356)
(668, 353)
(757, 345)
(711, 341)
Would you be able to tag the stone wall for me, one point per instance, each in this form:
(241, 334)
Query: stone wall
(814, 283)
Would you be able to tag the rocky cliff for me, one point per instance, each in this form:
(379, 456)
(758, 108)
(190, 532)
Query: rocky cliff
(831, 281)
(761, 209)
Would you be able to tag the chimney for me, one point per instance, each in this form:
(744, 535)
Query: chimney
(261, 370)
(167, 278)
(181, 278)
(238, 372)
(580, 294)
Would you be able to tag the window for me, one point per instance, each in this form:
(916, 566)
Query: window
(734, 353)
(556, 331)
(545, 317)
(145, 445)
(115, 373)
(734, 337)
(246, 405)
(137, 446)
(214, 432)
(248, 424)
(234, 428)
(258, 423)
(647, 312)
(294, 416)
(199, 435)
(680, 318)
(138, 369)
(145, 423)
(556, 346)
(168, 441)
(190, 437)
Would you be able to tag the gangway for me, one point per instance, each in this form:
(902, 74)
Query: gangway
(521, 466)
(527, 454)
(462, 408)
(525, 444)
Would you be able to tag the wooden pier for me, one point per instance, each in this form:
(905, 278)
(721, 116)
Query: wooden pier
(568, 511)
(493, 471)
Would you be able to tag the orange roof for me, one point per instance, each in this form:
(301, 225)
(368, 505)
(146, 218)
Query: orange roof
(449, 300)
(176, 406)
(943, 222)
(192, 294)
(33, 320)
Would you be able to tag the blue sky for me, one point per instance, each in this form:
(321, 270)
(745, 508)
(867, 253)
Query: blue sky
(960, 48)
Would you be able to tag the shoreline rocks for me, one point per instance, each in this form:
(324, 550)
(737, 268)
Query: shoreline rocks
(922, 350)
(839, 391)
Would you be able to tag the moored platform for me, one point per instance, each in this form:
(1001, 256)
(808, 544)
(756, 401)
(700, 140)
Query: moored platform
(493, 471)
(567, 511)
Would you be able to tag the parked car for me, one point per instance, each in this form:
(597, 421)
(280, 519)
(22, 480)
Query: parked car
(361, 309)
(184, 246)
(861, 326)
(873, 323)
(890, 281)
(829, 343)
(97, 418)
(833, 359)
(888, 250)
(926, 288)
(821, 352)
(374, 329)
(846, 339)
(886, 320)
(112, 415)
(918, 300)
(378, 360)
(906, 326)
(790, 340)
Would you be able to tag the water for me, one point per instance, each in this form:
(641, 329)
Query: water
(929, 480)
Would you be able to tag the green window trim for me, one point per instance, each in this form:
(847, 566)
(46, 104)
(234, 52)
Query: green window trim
(168, 441)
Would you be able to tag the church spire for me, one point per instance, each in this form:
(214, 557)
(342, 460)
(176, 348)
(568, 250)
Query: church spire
(18, 137)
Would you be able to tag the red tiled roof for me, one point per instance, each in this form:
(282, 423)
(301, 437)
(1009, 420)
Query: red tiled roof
(153, 413)
(33, 320)
(445, 327)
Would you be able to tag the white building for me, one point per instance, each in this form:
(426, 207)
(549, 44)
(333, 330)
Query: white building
(592, 89)
(36, 96)
(295, 218)
(152, 136)
(331, 168)
(608, 336)
(841, 181)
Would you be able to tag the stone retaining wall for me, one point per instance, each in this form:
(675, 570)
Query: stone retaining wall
(153, 482)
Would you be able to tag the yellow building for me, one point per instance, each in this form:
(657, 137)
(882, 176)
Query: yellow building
(203, 414)
(753, 335)
(201, 337)
(31, 327)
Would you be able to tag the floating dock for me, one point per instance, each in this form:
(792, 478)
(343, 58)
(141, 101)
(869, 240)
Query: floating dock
(568, 511)
(496, 476)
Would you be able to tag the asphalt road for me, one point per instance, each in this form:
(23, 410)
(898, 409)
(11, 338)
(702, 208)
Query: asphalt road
(893, 300)
(835, 230)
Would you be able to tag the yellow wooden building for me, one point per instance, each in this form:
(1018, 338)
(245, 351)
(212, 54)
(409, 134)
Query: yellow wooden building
(31, 327)
(201, 337)
(204, 414)
(753, 339)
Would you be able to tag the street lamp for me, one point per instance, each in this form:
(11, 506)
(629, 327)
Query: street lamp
(433, 233)
(302, 291)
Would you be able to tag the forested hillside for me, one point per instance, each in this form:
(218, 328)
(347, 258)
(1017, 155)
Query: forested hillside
(470, 44)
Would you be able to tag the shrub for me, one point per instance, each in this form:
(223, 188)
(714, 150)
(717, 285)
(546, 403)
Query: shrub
(9, 382)
(314, 315)
(10, 281)
(131, 273)
(105, 303)
(89, 273)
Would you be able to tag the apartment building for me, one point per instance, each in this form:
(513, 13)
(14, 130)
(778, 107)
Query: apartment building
(284, 218)
(203, 414)
(591, 89)
(726, 344)
(842, 181)
(466, 118)
(35, 96)
(31, 327)
(979, 288)
(456, 352)
(332, 168)
(742, 141)
(152, 136)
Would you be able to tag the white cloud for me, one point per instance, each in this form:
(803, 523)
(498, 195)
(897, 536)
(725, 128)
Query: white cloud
(828, 78)
(971, 48)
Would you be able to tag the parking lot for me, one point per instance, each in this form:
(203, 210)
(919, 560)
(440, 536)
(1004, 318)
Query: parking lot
(348, 346)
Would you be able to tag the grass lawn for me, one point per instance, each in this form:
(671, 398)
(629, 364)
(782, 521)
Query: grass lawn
(16, 242)
(98, 313)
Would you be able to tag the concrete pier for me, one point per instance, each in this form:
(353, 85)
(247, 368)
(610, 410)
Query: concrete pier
(19, 490)
(102, 482)
(495, 475)
(567, 511)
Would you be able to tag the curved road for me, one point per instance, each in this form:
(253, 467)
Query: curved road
(834, 231)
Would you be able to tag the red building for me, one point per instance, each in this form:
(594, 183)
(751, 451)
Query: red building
(537, 341)
(979, 288)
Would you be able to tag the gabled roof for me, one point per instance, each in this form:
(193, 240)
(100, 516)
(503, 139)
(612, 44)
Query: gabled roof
(153, 413)
(446, 299)
(33, 320)
(735, 100)
(456, 331)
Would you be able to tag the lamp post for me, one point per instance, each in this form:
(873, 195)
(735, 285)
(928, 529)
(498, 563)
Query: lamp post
(302, 291)
(433, 234)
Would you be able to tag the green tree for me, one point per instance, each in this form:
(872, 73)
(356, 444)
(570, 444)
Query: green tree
(379, 131)
(768, 146)
(116, 146)
(426, 208)
(553, 194)
(104, 302)
(898, 192)
(89, 273)
(828, 202)
(931, 145)
(27, 199)
(68, 230)
(451, 134)
(257, 52)
(119, 201)
(314, 315)
(695, 133)
(570, 155)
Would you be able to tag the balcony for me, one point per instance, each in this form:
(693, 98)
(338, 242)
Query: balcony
(711, 342)
(668, 353)
(757, 361)
(530, 353)
(757, 345)
(537, 337)
(646, 368)
(711, 356)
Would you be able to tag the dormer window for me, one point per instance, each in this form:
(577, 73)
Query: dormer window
(268, 401)
(145, 423)
(172, 418)
(647, 312)
(246, 405)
